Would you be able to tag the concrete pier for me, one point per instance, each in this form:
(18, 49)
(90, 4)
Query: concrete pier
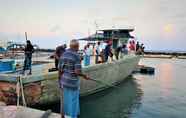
(24, 112)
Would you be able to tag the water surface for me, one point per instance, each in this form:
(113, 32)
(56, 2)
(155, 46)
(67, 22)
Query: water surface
(162, 95)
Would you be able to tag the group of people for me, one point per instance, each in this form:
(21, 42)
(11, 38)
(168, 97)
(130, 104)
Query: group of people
(136, 47)
(70, 69)
(103, 50)
(68, 62)
(121, 51)
(140, 48)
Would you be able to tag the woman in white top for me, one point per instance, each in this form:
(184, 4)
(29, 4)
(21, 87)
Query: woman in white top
(87, 54)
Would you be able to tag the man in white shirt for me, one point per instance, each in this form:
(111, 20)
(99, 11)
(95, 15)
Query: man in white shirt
(98, 51)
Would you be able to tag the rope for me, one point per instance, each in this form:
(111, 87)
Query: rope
(19, 88)
(18, 91)
(22, 92)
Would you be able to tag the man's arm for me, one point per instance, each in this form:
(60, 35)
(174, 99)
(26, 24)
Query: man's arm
(56, 53)
(79, 73)
(60, 67)
(33, 49)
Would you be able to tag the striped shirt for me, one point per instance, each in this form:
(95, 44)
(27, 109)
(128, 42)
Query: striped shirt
(68, 63)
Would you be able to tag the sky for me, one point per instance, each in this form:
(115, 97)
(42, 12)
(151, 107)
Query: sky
(159, 24)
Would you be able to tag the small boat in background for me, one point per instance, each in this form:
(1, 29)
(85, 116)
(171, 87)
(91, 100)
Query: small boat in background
(13, 50)
(7, 65)
(144, 70)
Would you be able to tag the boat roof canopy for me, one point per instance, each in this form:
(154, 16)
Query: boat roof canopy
(107, 34)
(119, 30)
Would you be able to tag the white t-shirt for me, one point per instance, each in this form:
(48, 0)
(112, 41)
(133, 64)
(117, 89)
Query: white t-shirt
(88, 51)
(103, 46)
(98, 49)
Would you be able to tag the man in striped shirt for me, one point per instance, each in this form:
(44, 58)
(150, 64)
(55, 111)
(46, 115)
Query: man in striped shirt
(69, 72)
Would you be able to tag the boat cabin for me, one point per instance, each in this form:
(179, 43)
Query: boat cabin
(117, 36)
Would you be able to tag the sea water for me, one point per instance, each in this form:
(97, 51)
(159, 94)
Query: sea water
(162, 95)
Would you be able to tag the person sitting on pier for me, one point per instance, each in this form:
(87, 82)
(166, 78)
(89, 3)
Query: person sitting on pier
(69, 70)
(29, 49)
(59, 51)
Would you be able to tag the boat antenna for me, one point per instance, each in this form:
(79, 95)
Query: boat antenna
(26, 36)
(88, 34)
(97, 26)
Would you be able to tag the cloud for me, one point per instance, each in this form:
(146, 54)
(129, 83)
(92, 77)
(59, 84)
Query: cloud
(57, 19)
(55, 28)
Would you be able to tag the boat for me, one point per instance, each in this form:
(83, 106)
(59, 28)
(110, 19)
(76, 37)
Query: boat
(42, 88)
(14, 50)
(7, 65)
(142, 69)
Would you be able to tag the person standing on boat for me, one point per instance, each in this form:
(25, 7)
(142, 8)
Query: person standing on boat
(87, 54)
(102, 52)
(29, 49)
(85, 58)
(132, 47)
(124, 51)
(142, 47)
(117, 52)
(59, 51)
(137, 46)
(98, 52)
(69, 72)
(108, 51)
